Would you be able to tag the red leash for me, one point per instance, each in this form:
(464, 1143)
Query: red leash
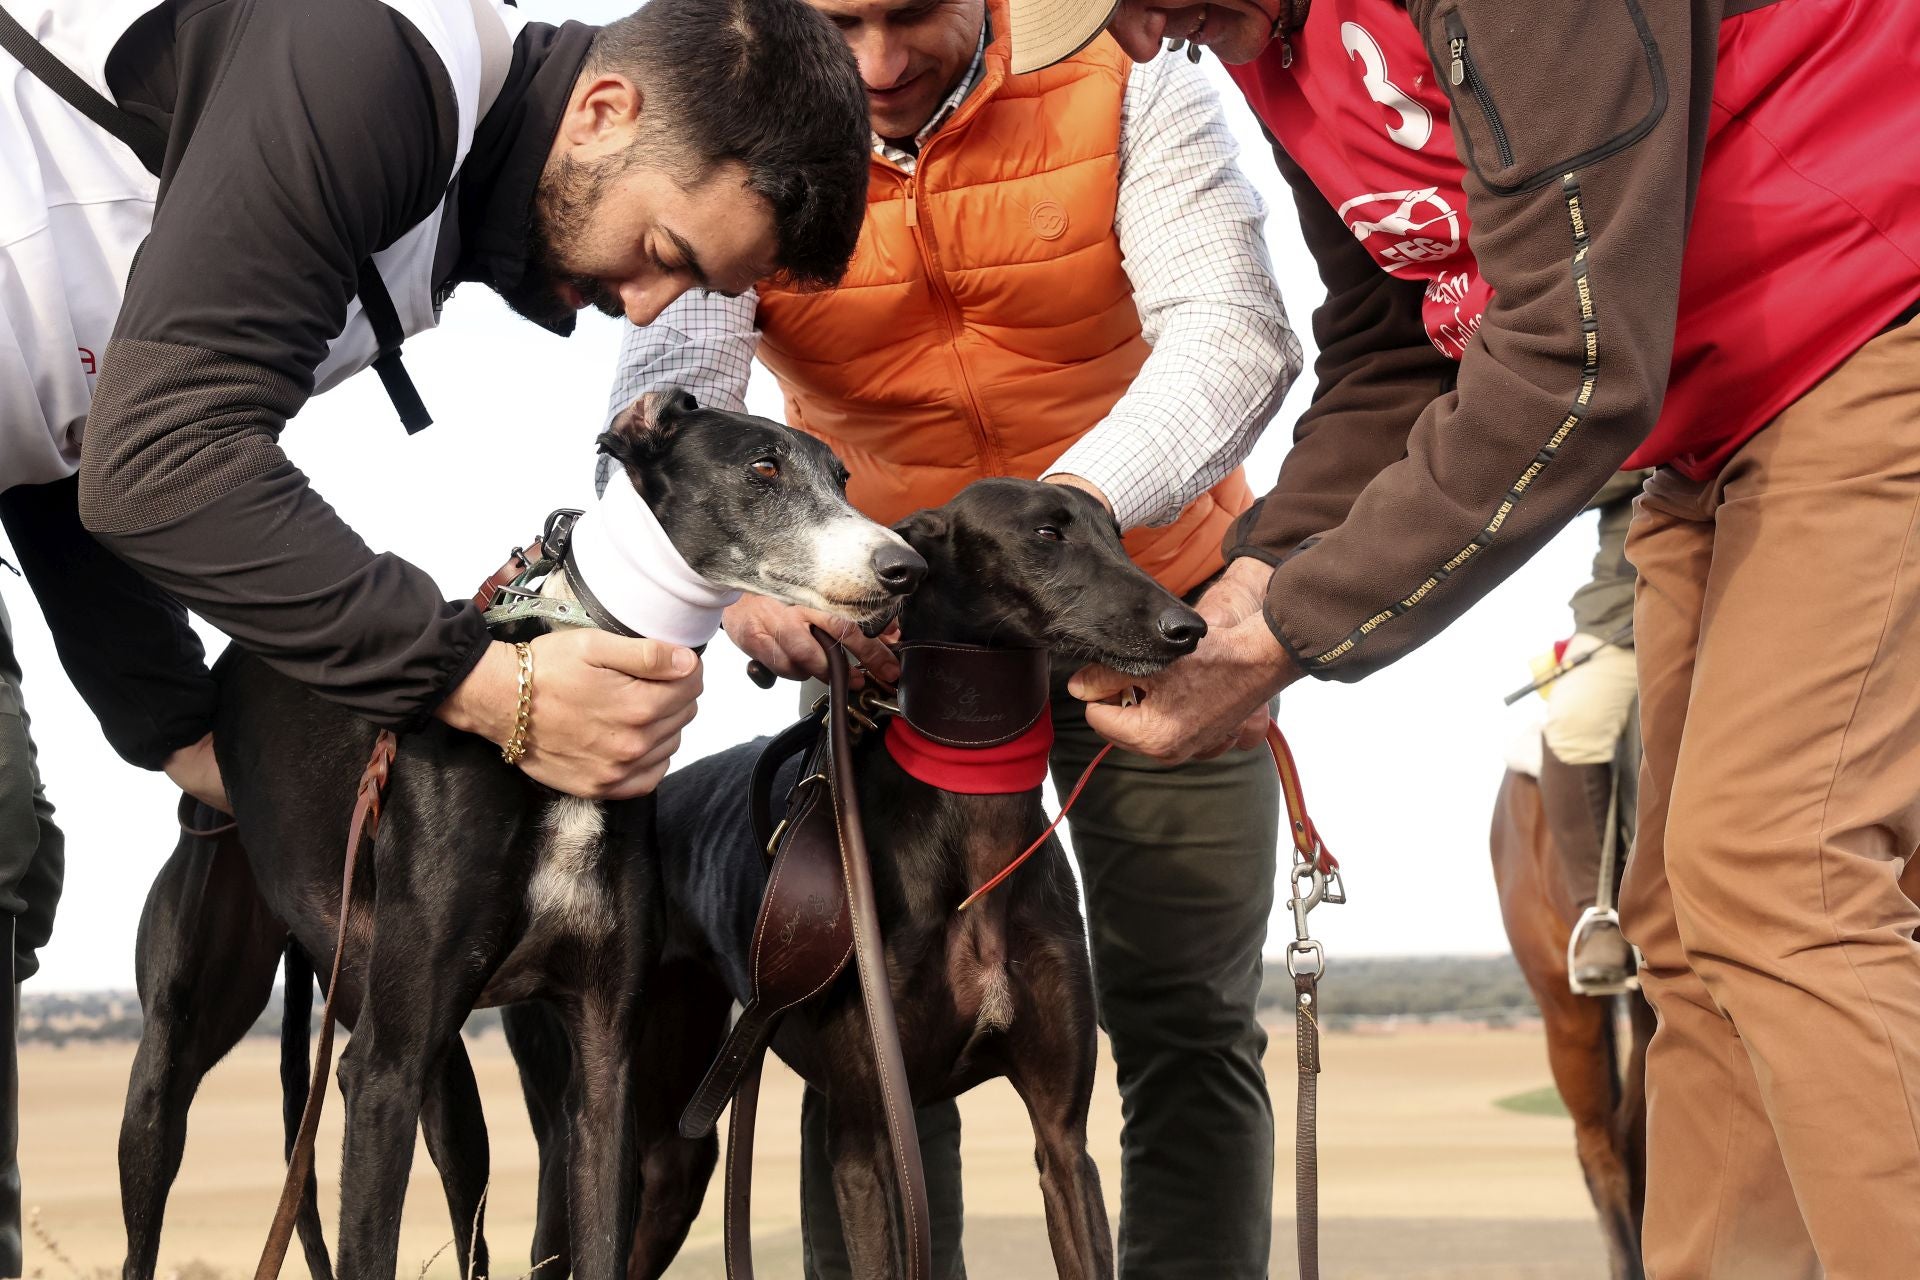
(1001, 875)
(1306, 836)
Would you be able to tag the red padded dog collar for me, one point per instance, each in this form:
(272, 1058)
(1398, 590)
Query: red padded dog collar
(1014, 766)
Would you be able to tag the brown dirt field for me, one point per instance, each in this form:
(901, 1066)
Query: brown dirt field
(1423, 1177)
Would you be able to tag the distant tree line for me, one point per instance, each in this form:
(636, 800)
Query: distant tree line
(1479, 988)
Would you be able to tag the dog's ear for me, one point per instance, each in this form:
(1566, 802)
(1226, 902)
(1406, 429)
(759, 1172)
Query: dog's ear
(924, 530)
(646, 427)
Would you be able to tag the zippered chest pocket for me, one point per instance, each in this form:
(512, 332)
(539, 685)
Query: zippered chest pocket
(1539, 90)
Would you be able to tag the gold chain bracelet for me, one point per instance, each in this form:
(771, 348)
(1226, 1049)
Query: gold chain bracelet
(516, 746)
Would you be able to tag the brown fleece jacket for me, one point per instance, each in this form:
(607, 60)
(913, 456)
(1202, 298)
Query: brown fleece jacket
(1416, 485)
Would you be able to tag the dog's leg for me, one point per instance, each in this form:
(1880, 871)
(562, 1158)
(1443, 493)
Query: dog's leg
(204, 962)
(1050, 1061)
(863, 1180)
(456, 1131)
(429, 961)
(603, 1168)
(683, 1023)
(538, 1038)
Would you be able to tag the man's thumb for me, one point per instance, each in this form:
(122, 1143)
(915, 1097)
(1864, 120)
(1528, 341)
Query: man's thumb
(1098, 684)
(651, 659)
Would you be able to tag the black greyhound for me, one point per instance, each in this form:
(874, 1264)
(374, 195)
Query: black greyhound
(1002, 989)
(482, 886)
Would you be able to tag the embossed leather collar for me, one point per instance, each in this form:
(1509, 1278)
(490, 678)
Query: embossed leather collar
(971, 695)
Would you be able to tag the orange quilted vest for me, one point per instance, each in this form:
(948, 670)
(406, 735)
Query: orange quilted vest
(986, 322)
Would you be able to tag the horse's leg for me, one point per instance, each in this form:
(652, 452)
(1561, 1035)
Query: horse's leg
(1630, 1130)
(1579, 1030)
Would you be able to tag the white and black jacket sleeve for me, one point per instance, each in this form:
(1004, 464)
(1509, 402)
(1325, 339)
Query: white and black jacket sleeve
(303, 138)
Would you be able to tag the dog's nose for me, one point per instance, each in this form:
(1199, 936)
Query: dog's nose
(899, 567)
(1182, 628)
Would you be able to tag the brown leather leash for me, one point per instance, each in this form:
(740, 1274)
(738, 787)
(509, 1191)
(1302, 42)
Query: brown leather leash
(366, 821)
(1315, 879)
(818, 912)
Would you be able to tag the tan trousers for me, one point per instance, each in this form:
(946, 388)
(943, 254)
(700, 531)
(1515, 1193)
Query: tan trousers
(1778, 630)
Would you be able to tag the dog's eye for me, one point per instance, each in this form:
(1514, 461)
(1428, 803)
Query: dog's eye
(768, 468)
(1050, 533)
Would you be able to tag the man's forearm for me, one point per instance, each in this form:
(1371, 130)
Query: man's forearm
(223, 522)
(1192, 229)
(703, 344)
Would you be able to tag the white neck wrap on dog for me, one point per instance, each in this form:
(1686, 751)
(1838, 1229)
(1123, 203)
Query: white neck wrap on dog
(637, 574)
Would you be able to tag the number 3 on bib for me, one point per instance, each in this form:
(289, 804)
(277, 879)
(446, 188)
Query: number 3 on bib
(1416, 122)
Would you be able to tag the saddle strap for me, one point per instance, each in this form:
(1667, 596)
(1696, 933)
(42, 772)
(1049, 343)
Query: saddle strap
(801, 943)
(889, 1063)
(366, 821)
(800, 736)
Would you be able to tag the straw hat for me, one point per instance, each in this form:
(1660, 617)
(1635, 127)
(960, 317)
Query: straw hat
(1045, 31)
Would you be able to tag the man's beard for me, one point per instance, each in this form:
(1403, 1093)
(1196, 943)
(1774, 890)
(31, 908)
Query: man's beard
(568, 193)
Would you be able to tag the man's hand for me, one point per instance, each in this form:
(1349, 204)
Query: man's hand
(778, 636)
(1081, 483)
(195, 771)
(1211, 701)
(606, 715)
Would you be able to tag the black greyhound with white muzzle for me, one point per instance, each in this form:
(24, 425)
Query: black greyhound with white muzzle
(1020, 575)
(483, 887)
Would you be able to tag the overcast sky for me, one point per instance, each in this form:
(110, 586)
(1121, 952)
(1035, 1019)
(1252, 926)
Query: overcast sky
(1400, 770)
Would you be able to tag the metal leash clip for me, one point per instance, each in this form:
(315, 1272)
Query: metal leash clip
(1310, 887)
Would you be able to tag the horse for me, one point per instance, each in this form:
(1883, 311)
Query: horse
(1596, 1046)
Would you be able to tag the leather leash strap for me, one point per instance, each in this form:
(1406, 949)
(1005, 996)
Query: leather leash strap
(1306, 1166)
(1316, 867)
(811, 922)
(870, 959)
(366, 821)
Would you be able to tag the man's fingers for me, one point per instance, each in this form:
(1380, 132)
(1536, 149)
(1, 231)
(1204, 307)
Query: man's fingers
(663, 752)
(873, 655)
(1136, 729)
(642, 659)
(1100, 684)
(641, 783)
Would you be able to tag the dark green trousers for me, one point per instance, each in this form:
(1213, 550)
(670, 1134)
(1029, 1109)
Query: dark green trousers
(32, 862)
(1177, 864)
(32, 849)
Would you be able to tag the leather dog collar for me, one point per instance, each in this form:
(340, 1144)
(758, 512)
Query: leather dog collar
(973, 720)
(971, 695)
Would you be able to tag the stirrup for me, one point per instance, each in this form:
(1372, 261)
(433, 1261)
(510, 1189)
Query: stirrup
(1630, 981)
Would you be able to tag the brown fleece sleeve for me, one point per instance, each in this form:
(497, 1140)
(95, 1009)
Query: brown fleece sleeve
(1375, 372)
(1583, 128)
